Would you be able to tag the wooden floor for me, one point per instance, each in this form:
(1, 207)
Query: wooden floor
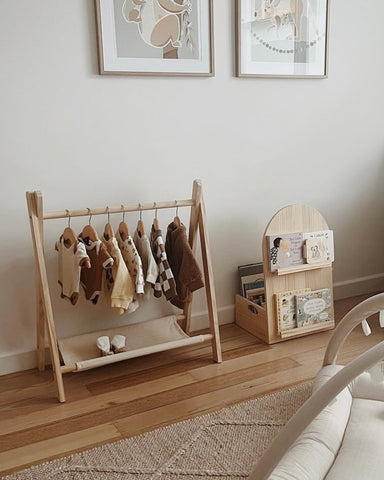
(127, 398)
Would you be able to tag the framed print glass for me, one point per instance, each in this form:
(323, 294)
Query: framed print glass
(282, 38)
(155, 37)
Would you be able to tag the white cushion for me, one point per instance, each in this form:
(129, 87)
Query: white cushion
(361, 453)
(314, 452)
(344, 442)
(368, 385)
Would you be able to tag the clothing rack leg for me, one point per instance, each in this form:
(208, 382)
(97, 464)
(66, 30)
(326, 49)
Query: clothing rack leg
(209, 285)
(34, 201)
(40, 318)
(198, 220)
(193, 226)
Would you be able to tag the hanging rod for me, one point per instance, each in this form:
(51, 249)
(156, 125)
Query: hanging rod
(121, 209)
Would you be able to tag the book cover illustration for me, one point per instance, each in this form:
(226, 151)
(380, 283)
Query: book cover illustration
(252, 284)
(315, 250)
(327, 236)
(285, 250)
(314, 307)
(286, 309)
(251, 277)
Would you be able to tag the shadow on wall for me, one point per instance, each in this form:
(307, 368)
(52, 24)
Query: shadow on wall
(17, 300)
(90, 27)
(358, 239)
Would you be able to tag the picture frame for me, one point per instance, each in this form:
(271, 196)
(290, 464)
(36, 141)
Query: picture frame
(132, 41)
(282, 38)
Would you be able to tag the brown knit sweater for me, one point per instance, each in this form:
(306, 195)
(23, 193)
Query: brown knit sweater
(183, 264)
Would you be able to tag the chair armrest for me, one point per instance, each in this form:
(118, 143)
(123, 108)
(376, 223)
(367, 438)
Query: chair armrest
(311, 408)
(354, 317)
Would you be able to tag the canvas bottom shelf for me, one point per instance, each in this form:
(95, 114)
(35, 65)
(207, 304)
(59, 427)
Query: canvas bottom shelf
(81, 353)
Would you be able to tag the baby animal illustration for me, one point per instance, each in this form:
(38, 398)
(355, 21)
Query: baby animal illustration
(283, 12)
(158, 21)
(132, 10)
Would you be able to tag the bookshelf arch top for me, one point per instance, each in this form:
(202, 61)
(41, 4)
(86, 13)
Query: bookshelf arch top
(296, 218)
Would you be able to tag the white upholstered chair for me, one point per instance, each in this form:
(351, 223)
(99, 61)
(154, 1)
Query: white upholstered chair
(338, 434)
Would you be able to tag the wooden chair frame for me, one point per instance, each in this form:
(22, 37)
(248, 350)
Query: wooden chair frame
(329, 390)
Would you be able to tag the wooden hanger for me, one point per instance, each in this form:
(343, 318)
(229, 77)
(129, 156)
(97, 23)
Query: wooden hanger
(123, 227)
(89, 234)
(176, 219)
(140, 228)
(140, 225)
(123, 230)
(69, 237)
(155, 222)
(108, 232)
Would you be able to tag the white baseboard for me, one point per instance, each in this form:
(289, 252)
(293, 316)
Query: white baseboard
(17, 362)
(21, 361)
(359, 286)
(199, 320)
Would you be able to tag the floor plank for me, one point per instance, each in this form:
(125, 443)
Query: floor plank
(38, 451)
(134, 396)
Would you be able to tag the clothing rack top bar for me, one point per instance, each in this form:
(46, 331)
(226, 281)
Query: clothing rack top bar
(137, 207)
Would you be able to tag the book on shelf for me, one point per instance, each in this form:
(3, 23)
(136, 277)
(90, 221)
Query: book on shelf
(251, 277)
(286, 309)
(256, 296)
(314, 307)
(285, 250)
(325, 238)
(315, 250)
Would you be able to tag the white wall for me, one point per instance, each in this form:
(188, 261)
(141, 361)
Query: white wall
(257, 145)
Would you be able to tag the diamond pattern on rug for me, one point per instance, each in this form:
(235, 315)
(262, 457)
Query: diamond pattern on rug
(228, 442)
(222, 445)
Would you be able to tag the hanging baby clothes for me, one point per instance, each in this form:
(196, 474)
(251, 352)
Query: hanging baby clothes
(118, 280)
(165, 281)
(91, 278)
(150, 268)
(71, 258)
(132, 260)
(134, 264)
(184, 266)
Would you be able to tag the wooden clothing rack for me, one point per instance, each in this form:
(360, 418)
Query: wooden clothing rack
(177, 325)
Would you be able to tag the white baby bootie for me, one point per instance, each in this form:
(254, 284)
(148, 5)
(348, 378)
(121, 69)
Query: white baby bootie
(104, 346)
(118, 344)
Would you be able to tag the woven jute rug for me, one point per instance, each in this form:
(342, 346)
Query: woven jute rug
(223, 445)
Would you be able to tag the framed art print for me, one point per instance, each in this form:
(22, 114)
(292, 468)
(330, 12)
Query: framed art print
(155, 37)
(282, 38)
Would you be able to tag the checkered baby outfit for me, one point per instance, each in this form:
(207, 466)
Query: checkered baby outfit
(165, 282)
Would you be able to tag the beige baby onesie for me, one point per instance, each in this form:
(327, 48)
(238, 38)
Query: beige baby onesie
(118, 280)
(69, 263)
(91, 278)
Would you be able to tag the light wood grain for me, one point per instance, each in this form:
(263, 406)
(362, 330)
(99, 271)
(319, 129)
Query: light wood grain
(293, 218)
(35, 203)
(137, 395)
(45, 316)
(63, 444)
